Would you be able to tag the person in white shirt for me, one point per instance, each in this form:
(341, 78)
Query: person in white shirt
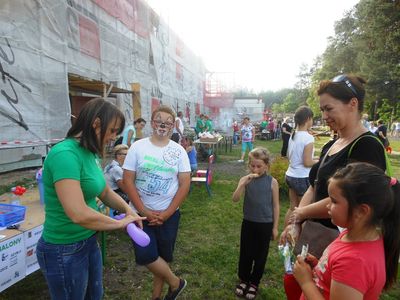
(113, 171)
(372, 127)
(177, 133)
(300, 154)
(157, 180)
(397, 129)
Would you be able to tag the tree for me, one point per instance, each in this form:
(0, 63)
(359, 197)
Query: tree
(366, 43)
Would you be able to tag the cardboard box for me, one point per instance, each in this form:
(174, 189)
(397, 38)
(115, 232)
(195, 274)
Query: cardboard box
(12, 261)
(212, 140)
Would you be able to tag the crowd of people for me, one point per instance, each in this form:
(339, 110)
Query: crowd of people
(148, 179)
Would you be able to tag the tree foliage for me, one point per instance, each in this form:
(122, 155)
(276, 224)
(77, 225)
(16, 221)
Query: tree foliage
(366, 43)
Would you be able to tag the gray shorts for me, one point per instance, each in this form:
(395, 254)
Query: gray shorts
(299, 185)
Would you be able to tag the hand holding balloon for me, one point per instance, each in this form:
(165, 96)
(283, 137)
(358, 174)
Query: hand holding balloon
(138, 235)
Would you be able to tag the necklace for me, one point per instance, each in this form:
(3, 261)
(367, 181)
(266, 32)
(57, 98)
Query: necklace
(342, 142)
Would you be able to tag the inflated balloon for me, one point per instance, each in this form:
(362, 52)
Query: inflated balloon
(137, 235)
(18, 190)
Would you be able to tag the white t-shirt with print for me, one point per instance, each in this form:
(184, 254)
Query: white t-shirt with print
(295, 154)
(157, 170)
(247, 133)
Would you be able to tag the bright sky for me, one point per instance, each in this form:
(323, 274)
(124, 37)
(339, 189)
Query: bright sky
(263, 42)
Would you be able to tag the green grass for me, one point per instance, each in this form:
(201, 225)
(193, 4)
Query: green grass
(207, 248)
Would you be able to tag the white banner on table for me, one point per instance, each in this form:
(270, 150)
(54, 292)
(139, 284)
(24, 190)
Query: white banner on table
(12, 261)
(31, 238)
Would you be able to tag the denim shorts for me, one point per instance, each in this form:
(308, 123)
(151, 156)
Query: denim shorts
(299, 185)
(162, 241)
(72, 271)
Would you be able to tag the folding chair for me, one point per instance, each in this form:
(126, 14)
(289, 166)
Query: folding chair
(207, 178)
(202, 173)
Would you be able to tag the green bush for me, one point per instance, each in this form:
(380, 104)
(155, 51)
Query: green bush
(278, 169)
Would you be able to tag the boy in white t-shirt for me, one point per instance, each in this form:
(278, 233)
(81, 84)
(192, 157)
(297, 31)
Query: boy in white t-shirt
(157, 179)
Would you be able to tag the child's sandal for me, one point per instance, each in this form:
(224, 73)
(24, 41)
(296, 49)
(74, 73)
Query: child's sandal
(241, 289)
(251, 292)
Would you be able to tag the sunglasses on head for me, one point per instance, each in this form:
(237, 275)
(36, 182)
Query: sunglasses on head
(343, 78)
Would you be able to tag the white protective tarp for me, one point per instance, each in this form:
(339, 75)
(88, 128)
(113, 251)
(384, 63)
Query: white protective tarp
(116, 41)
(33, 88)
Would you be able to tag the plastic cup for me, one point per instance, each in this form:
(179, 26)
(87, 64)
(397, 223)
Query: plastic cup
(40, 185)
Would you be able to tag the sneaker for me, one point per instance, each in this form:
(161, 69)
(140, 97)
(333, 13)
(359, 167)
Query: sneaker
(172, 295)
(240, 160)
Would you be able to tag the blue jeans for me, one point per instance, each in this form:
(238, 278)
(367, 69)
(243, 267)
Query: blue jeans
(235, 138)
(72, 271)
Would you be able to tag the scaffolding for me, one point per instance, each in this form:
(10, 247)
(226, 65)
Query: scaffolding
(218, 91)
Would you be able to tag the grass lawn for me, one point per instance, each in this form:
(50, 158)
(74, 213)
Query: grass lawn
(207, 248)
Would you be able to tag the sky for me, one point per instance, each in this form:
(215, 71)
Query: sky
(260, 44)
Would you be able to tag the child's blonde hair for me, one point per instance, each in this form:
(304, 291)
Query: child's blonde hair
(261, 154)
(117, 149)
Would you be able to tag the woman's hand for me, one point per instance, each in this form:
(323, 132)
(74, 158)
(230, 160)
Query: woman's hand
(128, 219)
(297, 215)
(302, 271)
(290, 234)
(283, 237)
(131, 212)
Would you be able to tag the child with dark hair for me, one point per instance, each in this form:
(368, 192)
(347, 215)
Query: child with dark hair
(300, 154)
(363, 260)
(68, 253)
(260, 221)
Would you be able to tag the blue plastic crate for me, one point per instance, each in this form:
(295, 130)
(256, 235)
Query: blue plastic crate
(11, 214)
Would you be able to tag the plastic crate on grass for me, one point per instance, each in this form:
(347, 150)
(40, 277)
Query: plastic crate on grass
(11, 214)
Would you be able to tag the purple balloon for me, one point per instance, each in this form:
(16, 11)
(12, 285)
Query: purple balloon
(138, 235)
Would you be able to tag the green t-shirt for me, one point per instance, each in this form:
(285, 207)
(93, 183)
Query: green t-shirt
(263, 124)
(67, 160)
(199, 125)
(209, 126)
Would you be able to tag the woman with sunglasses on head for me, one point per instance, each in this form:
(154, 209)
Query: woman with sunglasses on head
(157, 180)
(68, 252)
(341, 102)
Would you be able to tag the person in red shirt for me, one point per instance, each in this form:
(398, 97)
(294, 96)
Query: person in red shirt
(363, 260)
(236, 132)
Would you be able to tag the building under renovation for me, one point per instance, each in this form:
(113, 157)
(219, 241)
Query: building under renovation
(56, 55)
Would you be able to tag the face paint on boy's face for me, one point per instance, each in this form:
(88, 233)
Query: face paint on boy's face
(163, 123)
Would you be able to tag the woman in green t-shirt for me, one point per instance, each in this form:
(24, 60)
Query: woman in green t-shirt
(68, 252)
